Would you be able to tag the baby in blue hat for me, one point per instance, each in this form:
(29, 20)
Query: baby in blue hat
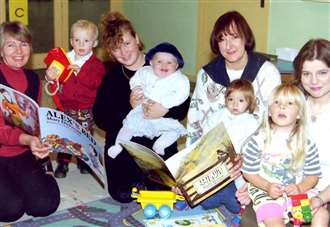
(163, 82)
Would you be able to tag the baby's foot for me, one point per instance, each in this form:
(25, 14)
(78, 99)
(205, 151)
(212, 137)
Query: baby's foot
(114, 150)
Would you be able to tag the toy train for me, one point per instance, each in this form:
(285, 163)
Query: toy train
(153, 201)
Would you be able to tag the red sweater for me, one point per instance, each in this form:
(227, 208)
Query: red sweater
(79, 91)
(9, 144)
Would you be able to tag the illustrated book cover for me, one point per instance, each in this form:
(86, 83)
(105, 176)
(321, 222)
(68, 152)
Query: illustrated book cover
(56, 129)
(199, 170)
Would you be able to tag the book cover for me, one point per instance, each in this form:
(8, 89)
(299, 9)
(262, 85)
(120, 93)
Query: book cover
(61, 132)
(199, 170)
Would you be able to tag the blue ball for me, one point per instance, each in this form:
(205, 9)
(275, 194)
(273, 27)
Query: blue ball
(165, 211)
(149, 211)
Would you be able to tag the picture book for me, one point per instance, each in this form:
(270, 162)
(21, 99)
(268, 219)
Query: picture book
(205, 218)
(56, 129)
(199, 170)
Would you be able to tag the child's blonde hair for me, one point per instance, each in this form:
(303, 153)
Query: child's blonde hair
(85, 25)
(297, 140)
(246, 88)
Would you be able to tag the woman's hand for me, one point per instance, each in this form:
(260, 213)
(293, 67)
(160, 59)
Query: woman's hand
(176, 190)
(242, 195)
(316, 203)
(236, 170)
(38, 149)
(153, 110)
(136, 97)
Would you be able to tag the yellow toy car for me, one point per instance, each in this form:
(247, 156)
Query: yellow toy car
(151, 201)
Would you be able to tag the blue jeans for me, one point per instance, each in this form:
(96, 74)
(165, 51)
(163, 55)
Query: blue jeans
(226, 196)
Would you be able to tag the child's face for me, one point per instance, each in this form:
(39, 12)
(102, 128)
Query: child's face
(163, 64)
(237, 103)
(284, 114)
(82, 42)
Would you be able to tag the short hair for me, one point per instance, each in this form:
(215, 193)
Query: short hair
(85, 25)
(15, 29)
(225, 24)
(314, 49)
(114, 25)
(246, 88)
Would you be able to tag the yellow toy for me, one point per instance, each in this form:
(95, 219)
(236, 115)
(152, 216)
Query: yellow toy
(151, 201)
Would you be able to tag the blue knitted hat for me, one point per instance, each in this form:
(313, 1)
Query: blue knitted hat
(167, 48)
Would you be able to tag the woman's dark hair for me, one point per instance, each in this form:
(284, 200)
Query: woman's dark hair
(225, 24)
(314, 49)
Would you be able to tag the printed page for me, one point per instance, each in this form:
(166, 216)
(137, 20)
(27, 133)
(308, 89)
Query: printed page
(150, 163)
(204, 167)
(66, 135)
(19, 110)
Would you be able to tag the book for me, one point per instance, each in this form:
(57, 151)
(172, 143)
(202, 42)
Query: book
(205, 218)
(56, 129)
(199, 170)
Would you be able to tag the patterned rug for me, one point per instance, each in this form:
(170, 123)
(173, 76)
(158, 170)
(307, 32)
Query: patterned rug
(107, 212)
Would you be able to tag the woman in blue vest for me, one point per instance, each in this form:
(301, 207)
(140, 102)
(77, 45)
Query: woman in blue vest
(24, 185)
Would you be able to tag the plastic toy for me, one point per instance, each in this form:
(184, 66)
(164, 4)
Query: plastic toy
(57, 61)
(153, 201)
(299, 209)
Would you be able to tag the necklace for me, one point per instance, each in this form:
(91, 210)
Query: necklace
(317, 112)
(124, 73)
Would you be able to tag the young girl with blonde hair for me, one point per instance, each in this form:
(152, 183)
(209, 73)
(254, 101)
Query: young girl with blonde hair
(280, 159)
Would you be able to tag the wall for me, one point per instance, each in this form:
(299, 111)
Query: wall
(168, 20)
(293, 22)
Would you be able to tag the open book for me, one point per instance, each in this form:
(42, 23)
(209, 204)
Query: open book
(56, 129)
(199, 170)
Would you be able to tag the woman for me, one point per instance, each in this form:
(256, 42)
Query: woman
(125, 48)
(24, 185)
(312, 72)
(233, 42)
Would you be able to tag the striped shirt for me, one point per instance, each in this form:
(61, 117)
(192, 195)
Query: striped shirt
(274, 163)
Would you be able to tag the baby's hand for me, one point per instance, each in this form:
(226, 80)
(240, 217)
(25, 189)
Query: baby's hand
(75, 68)
(275, 190)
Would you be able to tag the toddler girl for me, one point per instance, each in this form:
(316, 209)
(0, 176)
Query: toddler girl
(280, 159)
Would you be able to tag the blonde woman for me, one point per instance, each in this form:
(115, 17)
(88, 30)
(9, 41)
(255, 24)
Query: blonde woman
(280, 159)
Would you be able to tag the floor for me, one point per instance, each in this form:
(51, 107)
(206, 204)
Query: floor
(77, 188)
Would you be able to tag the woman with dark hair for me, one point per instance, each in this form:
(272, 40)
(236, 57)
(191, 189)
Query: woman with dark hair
(24, 185)
(233, 42)
(312, 73)
(125, 48)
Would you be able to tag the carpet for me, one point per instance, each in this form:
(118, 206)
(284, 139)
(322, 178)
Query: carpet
(107, 212)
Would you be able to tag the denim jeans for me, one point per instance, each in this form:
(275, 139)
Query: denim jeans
(226, 196)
